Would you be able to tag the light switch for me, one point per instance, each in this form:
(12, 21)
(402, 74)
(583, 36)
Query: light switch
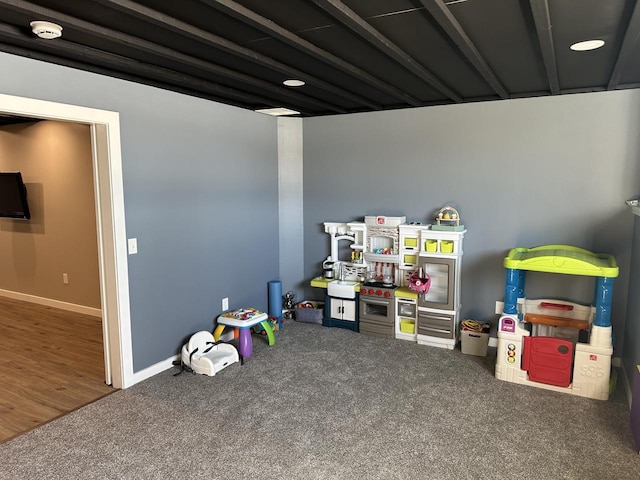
(133, 246)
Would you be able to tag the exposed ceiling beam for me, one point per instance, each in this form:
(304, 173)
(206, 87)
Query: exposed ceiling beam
(62, 48)
(136, 43)
(571, 91)
(542, 19)
(443, 16)
(28, 52)
(627, 48)
(357, 24)
(206, 38)
(271, 28)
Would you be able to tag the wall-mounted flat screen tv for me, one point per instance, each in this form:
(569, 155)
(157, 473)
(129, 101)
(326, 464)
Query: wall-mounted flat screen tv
(13, 196)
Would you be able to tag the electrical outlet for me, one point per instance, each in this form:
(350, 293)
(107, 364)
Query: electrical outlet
(65, 279)
(499, 307)
(225, 304)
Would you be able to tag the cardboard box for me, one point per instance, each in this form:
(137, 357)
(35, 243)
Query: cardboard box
(474, 343)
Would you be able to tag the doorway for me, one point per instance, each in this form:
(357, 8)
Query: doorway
(110, 223)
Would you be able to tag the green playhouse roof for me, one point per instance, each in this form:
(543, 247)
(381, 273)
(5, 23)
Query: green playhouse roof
(562, 259)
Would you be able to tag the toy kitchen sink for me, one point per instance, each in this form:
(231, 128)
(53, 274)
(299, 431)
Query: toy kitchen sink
(342, 289)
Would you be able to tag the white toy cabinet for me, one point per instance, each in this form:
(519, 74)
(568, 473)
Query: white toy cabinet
(409, 250)
(440, 256)
(342, 309)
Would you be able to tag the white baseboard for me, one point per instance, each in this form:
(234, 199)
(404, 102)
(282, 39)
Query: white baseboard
(153, 370)
(71, 307)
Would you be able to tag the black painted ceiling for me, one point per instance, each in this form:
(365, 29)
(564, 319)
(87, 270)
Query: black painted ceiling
(354, 55)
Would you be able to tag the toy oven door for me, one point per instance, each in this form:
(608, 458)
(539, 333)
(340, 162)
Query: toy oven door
(376, 309)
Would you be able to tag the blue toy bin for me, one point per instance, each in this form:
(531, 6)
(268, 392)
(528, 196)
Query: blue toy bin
(309, 312)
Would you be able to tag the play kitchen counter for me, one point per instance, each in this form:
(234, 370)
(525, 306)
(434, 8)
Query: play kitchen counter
(375, 299)
(321, 282)
(341, 303)
(341, 313)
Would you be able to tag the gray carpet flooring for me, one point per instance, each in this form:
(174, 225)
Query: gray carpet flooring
(328, 403)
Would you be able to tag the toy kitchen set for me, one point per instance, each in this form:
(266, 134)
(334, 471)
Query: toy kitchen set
(397, 280)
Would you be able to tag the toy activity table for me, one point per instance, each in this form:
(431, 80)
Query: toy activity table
(243, 319)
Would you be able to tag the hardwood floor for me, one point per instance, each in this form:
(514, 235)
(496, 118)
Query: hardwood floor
(51, 363)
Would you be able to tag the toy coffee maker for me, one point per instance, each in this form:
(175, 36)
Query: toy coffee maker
(327, 270)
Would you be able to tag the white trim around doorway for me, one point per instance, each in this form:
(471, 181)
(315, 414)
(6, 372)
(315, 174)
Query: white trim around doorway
(110, 221)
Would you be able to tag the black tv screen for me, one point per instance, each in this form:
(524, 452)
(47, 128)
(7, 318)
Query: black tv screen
(13, 196)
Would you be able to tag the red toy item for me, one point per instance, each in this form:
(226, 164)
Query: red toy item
(548, 360)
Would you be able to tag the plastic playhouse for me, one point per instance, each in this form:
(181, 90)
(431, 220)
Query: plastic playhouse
(556, 344)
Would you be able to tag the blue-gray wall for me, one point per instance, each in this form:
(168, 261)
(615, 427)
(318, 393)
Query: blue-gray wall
(552, 170)
(201, 197)
(522, 173)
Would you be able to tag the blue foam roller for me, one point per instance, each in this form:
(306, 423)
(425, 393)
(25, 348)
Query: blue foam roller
(275, 300)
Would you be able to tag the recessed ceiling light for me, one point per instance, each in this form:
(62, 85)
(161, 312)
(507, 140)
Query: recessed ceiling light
(277, 112)
(587, 45)
(293, 83)
(46, 30)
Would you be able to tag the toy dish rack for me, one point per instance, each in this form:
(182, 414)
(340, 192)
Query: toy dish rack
(354, 271)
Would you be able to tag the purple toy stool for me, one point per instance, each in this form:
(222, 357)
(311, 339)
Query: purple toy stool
(243, 319)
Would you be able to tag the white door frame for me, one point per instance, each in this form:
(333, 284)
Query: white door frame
(110, 222)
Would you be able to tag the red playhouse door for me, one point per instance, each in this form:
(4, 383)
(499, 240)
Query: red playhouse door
(548, 360)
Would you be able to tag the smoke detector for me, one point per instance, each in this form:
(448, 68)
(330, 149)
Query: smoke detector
(46, 30)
